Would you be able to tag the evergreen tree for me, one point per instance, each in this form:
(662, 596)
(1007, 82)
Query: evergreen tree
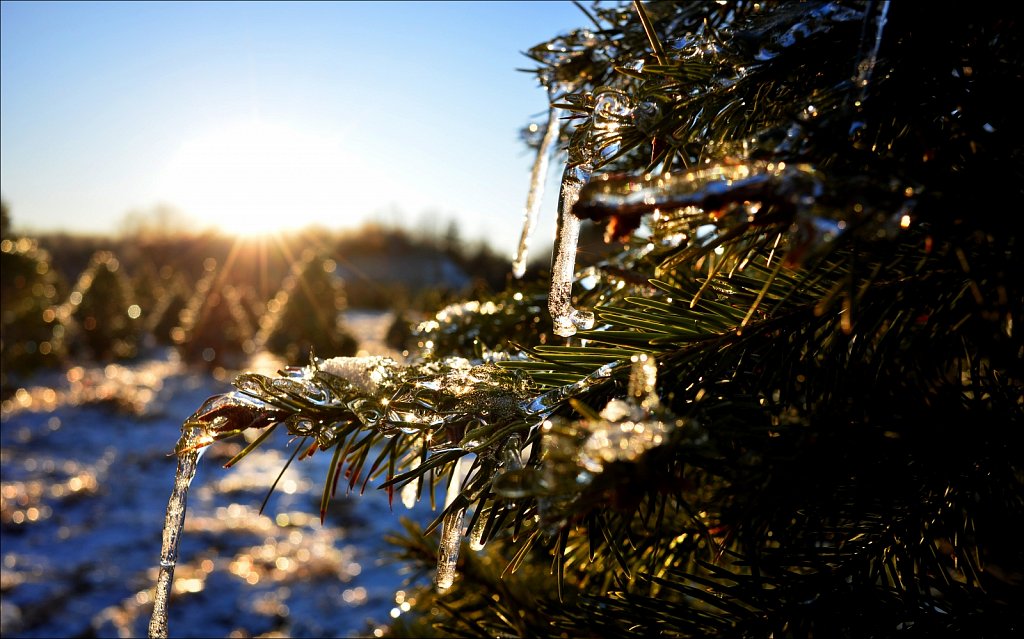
(102, 316)
(31, 333)
(166, 312)
(797, 409)
(303, 318)
(214, 328)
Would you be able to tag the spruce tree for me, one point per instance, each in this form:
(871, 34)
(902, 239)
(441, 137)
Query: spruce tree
(790, 398)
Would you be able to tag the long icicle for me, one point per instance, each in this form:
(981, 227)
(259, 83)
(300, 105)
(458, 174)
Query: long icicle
(612, 109)
(538, 176)
(190, 448)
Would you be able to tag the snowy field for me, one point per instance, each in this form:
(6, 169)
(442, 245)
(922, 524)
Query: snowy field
(85, 479)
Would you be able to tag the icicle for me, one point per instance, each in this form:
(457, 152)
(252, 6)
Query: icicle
(476, 535)
(451, 527)
(448, 550)
(511, 454)
(567, 319)
(190, 448)
(410, 490)
(612, 109)
(513, 481)
(533, 199)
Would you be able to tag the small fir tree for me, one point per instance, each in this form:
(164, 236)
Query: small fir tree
(214, 328)
(104, 322)
(32, 334)
(304, 317)
(167, 308)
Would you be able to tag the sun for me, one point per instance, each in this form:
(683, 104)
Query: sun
(253, 177)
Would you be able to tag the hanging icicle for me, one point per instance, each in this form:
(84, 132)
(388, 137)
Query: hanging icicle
(451, 527)
(536, 194)
(448, 550)
(190, 448)
(612, 109)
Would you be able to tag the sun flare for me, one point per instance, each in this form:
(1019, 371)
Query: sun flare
(254, 177)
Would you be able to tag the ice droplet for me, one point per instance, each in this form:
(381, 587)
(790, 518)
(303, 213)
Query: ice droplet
(612, 109)
(190, 447)
(516, 484)
(536, 193)
(567, 319)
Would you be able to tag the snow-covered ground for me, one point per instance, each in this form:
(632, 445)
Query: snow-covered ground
(86, 473)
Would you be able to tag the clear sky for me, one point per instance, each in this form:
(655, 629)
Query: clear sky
(263, 115)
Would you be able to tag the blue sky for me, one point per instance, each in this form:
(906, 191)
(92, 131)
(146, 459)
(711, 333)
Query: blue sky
(332, 112)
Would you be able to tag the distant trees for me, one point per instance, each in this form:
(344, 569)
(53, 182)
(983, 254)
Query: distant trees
(217, 299)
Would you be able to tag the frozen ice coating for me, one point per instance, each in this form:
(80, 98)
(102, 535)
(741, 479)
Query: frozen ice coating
(709, 187)
(190, 448)
(536, 192)
(448, 550)
(866, 66)
(565, 317)
(365, 373)
(612, 109)
(543, 405)
(627, 429)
